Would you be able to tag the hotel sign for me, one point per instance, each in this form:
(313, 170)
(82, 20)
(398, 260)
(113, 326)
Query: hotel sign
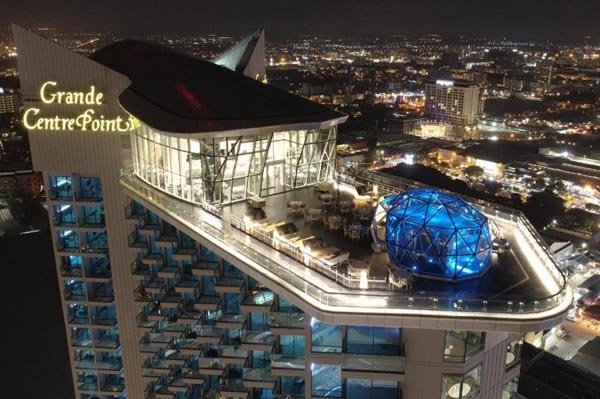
(87, 121)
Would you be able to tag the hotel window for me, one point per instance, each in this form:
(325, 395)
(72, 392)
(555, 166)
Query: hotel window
(461, 386)
(373, 341)
(61, 188)
(460, 346)
(64, 215)
(68, 241)
(293, 386)
(92, 216)
(326, 381)
(513, 353)
(90, 189)
(372, 389)
(509, 390)
(325, 337)
(292, 345)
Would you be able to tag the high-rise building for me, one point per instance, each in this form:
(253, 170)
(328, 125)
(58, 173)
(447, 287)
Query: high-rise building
(453, 101)
(205, 246)
(9, 102)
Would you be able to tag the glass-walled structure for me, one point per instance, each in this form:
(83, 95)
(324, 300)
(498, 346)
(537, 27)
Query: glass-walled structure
(221, 170)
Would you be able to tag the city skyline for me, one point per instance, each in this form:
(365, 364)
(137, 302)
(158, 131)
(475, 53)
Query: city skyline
(527, 20)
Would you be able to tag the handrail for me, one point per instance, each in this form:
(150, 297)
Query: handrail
(363, 298)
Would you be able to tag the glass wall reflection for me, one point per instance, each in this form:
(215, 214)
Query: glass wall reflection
(221, 170)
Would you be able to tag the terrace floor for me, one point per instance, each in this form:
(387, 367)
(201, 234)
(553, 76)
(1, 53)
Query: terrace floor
(509, 276)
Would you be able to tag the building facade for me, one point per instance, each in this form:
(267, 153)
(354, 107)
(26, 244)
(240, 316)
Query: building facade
(9, 102)
(191, 206)
(453, 101)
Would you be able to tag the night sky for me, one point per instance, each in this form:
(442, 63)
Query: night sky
(527, 19)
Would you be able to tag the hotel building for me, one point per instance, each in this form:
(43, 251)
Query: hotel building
(205, 246)
(453, 101)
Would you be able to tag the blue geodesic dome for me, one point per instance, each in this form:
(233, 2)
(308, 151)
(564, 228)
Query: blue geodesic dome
(436, 234)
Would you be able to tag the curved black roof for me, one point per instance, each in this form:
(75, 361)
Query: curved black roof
(175, 92)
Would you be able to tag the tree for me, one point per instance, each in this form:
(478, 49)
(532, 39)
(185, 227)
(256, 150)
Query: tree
(543, 207)
(473, 172)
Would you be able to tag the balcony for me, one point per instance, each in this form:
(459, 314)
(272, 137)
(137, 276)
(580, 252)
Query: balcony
(166, 240)
(109, 366)
(152, 374)
(139, 270)
(148, 226)
(154, 368)
(171, 299)
(153, 258)
(210, 366)
(134, 212)
(389, 301)
(87, 386)
(137, 241)
(168, 271)
(190, 346)
(227, 284)
(106, 345)
(259, 378)
(205, 334)
(141, 295)
(192, 376)
(257, 340)
(155, 286)
(143, 321)
(231, 354)
(174, 357)
(111, 388)
(174, 328)
(205, 269)
(152, 342)
(234, 389)
(285, 365)
(104, 322)
(188, 314)
(207, 302)
(75, 296)
(258, 301)
(92, 223)
(228, 320)
(98, 272)
(372, 366)
(100, 298)
(87, 363)
(287, 323)
(186, 285)
(78, 320)
(187, 254)
(71, 271)
(61, 193)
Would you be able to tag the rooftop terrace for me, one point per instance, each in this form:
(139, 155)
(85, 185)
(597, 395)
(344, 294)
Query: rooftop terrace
(342, 275)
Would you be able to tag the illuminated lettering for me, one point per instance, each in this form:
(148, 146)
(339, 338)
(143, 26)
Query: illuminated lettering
(90, 97)
(88, 120)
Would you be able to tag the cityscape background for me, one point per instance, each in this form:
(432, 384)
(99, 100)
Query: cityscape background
(530, 139)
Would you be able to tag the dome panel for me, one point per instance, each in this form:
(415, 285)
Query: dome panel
(435, 234)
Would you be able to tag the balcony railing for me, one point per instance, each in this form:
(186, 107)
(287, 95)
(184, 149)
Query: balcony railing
(372, 299)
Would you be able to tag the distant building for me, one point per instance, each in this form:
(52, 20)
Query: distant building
(405, 124)
(514, 84)
(25, 180)
(453, 101)
(9, 102)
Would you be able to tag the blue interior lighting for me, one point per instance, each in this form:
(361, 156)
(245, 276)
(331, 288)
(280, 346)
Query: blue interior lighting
(437, 235)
